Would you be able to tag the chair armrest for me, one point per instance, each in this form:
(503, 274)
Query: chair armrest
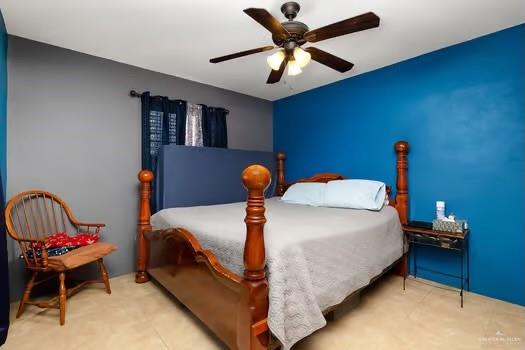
(89, 224)
(86, 226)
(31, 240)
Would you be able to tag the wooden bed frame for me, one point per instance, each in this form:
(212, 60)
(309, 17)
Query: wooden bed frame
(234, 307)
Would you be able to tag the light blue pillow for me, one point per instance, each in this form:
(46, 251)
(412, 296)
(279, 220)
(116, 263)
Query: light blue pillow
(308, 193)
(355, 194)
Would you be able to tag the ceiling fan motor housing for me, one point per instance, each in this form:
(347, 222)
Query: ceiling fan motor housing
(295, 28)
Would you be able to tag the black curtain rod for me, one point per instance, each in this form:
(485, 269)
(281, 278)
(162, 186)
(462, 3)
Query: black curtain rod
(133, 93)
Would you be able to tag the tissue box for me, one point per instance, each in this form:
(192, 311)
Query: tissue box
(449, 226)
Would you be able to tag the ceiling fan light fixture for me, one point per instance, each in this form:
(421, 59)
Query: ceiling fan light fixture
(275, 60)
(294, 68)
(301, 57)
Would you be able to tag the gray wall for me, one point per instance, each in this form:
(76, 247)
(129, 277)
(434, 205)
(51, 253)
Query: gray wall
(73, 130)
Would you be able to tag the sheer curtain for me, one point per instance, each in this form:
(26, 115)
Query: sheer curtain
(194, 132)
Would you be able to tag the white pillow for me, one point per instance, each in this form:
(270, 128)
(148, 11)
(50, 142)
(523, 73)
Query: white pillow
(355, 194)
(309, 193)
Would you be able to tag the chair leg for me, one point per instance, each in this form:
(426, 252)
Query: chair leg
(104, 274)
(62, 297)
(27, 293)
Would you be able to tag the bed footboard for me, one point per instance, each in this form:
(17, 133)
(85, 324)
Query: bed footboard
(234, 307)
(195, 277)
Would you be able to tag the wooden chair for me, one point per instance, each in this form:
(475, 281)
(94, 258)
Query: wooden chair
(30, 218)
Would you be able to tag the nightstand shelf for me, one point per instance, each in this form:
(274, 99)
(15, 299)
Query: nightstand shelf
(455, 241)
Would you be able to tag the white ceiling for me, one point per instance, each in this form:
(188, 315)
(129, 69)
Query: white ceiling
(179, 37)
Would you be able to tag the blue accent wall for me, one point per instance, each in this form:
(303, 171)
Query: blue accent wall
(3, 99)
(462, 109)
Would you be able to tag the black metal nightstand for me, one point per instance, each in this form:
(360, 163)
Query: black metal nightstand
(457, 241)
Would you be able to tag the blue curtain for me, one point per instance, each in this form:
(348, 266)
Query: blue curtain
(214, 127)
(163, 122)
(4, 276)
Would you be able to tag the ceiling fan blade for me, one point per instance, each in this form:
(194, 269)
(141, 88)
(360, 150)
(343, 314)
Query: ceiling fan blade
(268, 21)
(329, 60)
(240, 54)
(347, 26)
(275, 75)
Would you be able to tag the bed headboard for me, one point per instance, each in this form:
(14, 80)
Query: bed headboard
(400, 201)
(190, 176)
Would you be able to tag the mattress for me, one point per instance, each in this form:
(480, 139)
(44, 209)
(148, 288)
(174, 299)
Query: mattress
(315, 256)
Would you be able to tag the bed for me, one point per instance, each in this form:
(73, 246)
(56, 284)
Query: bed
(276, 274)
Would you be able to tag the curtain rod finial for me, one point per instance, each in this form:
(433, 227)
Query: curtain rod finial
(133, 93)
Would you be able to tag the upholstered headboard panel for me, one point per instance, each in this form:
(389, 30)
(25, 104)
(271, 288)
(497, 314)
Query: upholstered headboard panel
(191, 176)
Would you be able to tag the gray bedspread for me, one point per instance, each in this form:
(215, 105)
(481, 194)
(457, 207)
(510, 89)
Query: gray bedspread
(316, 256)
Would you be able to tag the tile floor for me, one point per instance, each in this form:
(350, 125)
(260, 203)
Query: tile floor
(145, 317)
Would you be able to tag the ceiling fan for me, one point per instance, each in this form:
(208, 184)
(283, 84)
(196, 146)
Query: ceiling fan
(291, 35)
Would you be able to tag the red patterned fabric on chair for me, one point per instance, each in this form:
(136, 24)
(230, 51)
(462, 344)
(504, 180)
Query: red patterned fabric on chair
(62, 239)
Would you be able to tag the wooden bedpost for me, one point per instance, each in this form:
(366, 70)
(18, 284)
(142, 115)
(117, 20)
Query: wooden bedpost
(252, 329)
(401, 203)
(255, 178)
(281, 157)
(401, 200)
(145, 178)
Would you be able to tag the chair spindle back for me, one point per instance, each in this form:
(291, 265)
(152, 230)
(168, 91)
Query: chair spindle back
(31, 217)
